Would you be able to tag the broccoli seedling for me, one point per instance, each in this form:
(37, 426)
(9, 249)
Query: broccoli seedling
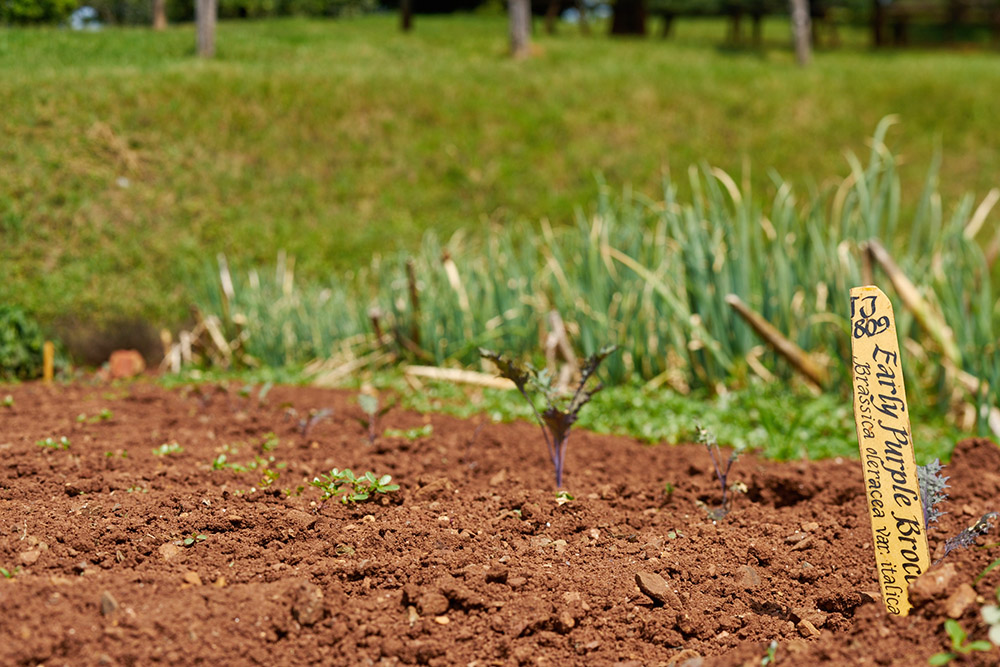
(932, 493)
(707, 438)
(350, 489)
(373, 413)
(315, 416)
(932, 490)
(558, 416)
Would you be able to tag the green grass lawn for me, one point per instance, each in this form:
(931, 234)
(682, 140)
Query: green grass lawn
(126, 163)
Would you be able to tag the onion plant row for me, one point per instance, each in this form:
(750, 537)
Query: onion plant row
(652, 277)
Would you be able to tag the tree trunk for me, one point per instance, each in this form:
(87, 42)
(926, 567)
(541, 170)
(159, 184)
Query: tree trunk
(801, 31)
(520, 27)
(206, 12)
(582, 8)
(668, 23)
(159, 14)
(551, 16)
(406, 15)
(878, 24)
(628, 17)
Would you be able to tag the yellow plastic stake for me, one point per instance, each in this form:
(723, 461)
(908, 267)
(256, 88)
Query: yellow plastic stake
(886, 443)
(48, 359)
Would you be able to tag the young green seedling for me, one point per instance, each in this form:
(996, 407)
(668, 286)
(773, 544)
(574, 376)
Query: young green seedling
(958, 644)
(191, 540)
(410, 433)
(166, 449)
(50, 443)
(558, 415)
(8, 401)
(344, 485)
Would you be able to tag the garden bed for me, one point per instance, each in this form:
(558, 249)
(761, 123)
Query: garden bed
(118, 555)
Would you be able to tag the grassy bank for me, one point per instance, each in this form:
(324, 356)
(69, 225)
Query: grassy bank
(127, 164)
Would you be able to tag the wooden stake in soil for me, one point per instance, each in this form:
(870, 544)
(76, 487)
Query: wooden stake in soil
(886, 444)
(48, 360)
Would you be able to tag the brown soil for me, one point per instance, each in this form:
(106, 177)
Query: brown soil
(472, 562)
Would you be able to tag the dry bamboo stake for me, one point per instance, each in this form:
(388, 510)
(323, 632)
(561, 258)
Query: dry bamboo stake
(48, 361)
(795, 355)
(459, 376)
(928, 319)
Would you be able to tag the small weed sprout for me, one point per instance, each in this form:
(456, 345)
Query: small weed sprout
(191, 540)
(707, 438)
(958, 644)
(102, 416)
(166, 449)
(8, 401)
(51, 443)
(373, 413)
(410, 433)
(771, 658)
(10, 574)
(563, 497)
(558, 416)
(344, 485)
(270, 443)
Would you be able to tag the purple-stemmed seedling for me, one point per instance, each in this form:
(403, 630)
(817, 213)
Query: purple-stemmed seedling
(707, 438)
(558, 417)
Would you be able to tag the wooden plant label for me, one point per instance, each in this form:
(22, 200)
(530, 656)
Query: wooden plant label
(886, 444)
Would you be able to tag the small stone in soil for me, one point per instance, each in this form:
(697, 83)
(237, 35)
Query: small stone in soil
(432, 604)
(30, 557)
(168, 550)
(747, 577)
(960, 600)
(655, 588)
(808, 630)
(108, 604)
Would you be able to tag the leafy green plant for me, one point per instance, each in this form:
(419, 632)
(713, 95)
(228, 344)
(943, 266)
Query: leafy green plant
(51, 443)
(373, 413)
(707, 438)
(344, 485)
(410, 433)
(558, 414)
(167, 449)
(958, 644)
(21, 344)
